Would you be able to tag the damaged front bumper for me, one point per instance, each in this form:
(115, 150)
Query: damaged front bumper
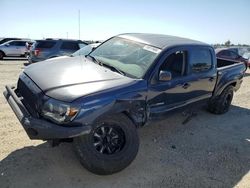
(39, 128)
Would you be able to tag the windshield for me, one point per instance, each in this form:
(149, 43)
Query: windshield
(130, 57)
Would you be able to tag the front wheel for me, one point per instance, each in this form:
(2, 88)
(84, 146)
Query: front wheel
(1, 55)
(110, 147)
(221, 104)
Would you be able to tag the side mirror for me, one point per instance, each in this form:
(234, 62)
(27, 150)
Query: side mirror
(165, 75)
(7, 45)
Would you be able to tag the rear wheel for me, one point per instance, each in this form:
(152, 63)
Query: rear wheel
(110, 147)
(221, 104)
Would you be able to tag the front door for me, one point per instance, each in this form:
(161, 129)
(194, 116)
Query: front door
(11, 48)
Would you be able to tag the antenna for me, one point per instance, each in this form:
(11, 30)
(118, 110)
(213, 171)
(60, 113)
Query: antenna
(79, 26)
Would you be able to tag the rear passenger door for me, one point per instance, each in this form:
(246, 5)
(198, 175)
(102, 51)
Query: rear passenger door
(20, 48)
(202, 72)
(69, 47)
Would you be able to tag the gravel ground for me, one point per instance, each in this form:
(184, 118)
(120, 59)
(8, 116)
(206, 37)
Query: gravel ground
(208, 151)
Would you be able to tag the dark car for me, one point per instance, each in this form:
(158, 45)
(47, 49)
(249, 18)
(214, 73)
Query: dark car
(50, 48)
(98, 102)
(230, 54)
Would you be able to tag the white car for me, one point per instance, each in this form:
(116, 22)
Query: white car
(13, 48)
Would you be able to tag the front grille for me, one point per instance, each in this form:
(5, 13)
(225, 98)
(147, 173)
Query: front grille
(29, 94)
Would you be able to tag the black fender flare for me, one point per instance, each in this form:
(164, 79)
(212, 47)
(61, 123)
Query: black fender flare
(219, 91)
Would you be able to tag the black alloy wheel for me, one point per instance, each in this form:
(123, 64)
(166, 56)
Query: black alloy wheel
(108, 139)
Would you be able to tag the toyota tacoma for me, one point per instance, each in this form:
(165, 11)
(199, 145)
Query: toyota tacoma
(99, 100)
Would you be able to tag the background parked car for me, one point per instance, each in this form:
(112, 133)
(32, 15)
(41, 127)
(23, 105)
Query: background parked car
(230, 54)
(82, 52)
(50, 48)
(13, 48)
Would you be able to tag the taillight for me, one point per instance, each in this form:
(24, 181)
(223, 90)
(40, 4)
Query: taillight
(36, 52)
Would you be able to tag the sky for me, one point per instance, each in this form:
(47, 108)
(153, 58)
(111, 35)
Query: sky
(210, 21)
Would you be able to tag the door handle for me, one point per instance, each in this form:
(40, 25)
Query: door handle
(186, 85)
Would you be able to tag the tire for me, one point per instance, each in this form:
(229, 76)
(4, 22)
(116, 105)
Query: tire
(26, 55)
(118, 152)
(1, 55)
(221, 104)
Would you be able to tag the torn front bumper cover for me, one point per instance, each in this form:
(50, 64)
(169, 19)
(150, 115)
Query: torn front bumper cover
(39, 128)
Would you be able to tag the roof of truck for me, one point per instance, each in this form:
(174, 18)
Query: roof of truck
(160, 40)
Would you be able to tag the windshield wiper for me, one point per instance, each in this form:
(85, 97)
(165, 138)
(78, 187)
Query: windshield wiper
(95, 60)
(114, 69)
(106, 65)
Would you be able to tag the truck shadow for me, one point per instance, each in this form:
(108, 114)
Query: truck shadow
(208, 151)
(247, 74)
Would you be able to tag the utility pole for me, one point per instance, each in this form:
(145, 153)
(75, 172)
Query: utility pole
(79, 26)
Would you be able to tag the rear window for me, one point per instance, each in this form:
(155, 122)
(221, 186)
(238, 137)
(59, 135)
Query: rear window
(70, 46)
(45, 44)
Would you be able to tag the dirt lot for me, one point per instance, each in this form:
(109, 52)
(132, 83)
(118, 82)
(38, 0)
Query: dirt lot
(209, 151)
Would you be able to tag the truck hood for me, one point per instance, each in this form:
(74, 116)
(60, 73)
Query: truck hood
(70, 78)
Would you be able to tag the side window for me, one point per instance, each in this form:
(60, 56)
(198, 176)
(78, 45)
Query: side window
(13, 43)
(45, 44)
(20, 43)
(70, 46)
(200, 60)
(224, 53)
(232, 55)
(175, 63)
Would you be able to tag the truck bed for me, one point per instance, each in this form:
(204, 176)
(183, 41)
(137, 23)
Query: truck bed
(225, 62)
(229, 72)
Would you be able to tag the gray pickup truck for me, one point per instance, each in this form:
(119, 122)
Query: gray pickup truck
(100, 100)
